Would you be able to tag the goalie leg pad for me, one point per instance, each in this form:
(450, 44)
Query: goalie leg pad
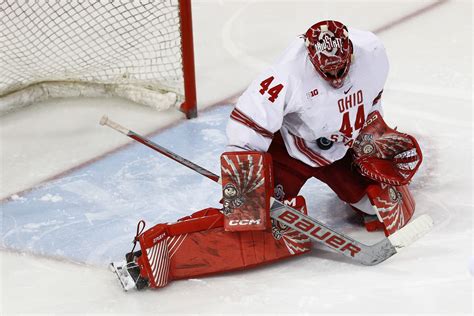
(394, 205)
(199, 245)
(247, 185)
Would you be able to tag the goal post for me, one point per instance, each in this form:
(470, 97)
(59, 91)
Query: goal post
(189, 106)
(141, 50)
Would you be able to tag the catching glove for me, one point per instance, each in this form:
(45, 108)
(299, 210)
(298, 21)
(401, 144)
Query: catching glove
(384, 154)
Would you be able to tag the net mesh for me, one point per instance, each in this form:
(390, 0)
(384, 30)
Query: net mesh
(55, 48)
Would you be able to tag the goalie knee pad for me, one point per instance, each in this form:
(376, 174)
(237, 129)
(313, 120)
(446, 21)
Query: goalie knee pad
(199, 245)
(247, 186)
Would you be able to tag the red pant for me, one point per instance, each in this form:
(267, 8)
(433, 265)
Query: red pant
(349, 185)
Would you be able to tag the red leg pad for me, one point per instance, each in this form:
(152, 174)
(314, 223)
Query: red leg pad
(395, 205)
(199, 245)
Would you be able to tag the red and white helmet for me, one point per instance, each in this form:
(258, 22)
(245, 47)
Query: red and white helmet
(330, 50)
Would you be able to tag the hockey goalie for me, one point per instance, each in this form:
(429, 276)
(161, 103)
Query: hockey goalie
(316, 112)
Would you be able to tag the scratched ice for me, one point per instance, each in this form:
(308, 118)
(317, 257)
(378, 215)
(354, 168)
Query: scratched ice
(90, 215)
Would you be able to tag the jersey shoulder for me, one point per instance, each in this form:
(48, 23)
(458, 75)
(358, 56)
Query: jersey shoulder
(293, 53)
(370, 54)
(290, 70)
(294, 63)
(365, 42)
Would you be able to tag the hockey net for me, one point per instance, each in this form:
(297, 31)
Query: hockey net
(134, 49)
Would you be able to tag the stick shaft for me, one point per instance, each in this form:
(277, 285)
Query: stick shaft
(147, 142)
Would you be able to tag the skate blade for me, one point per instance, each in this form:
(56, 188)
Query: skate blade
(126, 280)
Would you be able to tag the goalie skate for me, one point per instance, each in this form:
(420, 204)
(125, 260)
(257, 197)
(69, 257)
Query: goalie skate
(128, 274)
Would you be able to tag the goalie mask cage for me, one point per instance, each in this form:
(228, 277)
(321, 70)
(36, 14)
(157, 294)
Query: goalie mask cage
(140, 50)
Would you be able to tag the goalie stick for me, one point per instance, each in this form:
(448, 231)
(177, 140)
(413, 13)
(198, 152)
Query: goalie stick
(314, 229)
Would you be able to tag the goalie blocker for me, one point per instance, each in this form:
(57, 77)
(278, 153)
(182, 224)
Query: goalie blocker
(210, 241)
(247, 186)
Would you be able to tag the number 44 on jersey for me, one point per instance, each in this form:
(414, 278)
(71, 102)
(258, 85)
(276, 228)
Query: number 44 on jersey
(273, 91)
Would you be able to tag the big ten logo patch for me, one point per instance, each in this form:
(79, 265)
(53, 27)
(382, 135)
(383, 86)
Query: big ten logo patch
(312, 93)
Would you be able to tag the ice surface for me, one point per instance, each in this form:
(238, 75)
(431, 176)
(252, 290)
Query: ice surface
(90, 214)
(59, 236)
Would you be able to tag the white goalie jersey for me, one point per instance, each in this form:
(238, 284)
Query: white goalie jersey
(318, 123)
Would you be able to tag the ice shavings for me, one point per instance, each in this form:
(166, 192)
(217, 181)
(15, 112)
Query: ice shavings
(51, 198)
(16, 197)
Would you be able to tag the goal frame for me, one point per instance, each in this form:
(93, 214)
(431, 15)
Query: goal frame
(189, 106)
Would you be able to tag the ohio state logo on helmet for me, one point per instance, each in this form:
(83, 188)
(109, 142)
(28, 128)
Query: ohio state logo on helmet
(330, 50)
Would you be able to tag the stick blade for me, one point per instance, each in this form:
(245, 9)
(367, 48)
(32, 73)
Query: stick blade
(411, 232)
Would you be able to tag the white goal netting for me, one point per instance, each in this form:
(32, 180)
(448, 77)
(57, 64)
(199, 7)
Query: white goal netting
(64, 48)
